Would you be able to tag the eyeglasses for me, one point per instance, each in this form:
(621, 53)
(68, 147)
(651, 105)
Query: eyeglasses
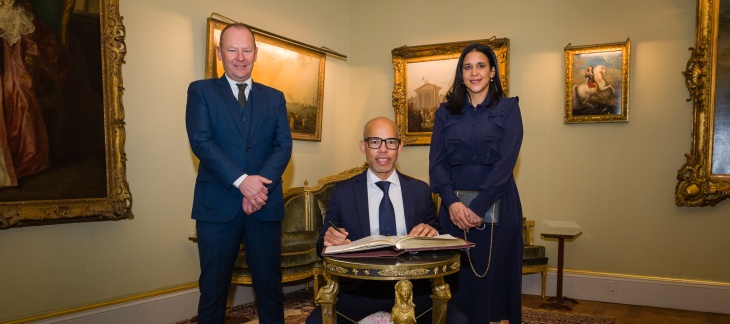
(376, 142)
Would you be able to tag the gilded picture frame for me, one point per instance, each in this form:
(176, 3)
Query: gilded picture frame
(102, 193)
(597, 83)
(423, 74)
(704, 179)
(295, 70)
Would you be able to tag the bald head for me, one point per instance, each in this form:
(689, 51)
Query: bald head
(381, 146)
(380, 123)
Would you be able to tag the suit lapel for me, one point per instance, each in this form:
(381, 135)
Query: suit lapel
(360, 190)
(409, 207)
(231, 104)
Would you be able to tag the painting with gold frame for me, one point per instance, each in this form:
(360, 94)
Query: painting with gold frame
(296, 71)
(423, 74)
(704, 179)
(597, 83)
(80, 137)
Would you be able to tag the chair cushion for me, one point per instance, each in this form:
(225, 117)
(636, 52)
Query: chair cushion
(533, 251)
(534, 255)
(297, 249)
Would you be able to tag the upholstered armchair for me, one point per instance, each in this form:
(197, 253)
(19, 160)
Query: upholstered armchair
(534, 259)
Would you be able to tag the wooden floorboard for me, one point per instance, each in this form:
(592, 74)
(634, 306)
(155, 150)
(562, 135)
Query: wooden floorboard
(636, 314)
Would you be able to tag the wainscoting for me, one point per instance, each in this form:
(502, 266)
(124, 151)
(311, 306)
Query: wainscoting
(701, 296)
(181, 303)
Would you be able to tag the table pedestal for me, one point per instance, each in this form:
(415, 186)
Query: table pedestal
(431, 265)
(558, 302)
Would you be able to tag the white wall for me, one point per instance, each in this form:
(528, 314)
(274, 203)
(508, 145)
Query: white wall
(616, 180)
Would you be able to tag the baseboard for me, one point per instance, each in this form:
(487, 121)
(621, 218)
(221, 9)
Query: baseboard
(701, 296)
(177, 304)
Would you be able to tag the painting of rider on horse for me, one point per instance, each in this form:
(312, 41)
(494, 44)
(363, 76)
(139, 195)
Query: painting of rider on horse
(596, 83)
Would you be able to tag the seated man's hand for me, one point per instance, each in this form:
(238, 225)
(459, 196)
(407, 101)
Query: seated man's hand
(333, 237)
(423, 230)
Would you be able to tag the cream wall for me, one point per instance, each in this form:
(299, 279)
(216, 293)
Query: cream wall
(616, 180)
(56, 267)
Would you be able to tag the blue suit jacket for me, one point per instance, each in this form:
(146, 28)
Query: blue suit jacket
(226, 151)
(348, 206)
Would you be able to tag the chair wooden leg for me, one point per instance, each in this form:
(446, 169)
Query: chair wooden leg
(544, 279)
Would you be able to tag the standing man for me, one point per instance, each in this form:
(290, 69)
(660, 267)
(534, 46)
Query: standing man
(356, 207)
(239, 131)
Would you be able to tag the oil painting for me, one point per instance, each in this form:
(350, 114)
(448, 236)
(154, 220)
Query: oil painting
(62, 123)
(596, 83)
(293, 69)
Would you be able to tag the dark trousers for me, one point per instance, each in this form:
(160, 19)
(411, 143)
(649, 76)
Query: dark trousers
(218, 247)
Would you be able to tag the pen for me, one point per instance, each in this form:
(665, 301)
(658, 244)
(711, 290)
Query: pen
(339, 230)
(336, 228)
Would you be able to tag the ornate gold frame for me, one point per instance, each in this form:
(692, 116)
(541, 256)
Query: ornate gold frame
(118, 202)
(571, 84)
(698, 186)
(404, 55)
(211, 63)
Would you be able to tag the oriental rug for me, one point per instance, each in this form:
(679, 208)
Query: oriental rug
(298, 304)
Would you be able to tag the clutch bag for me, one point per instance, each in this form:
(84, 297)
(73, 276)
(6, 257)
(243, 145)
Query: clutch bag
(491, 216)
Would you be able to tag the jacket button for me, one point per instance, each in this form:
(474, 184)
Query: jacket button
(248, 149)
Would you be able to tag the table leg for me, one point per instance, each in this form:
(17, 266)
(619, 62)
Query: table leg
(327, 298)
(557, 302)
(440, 297)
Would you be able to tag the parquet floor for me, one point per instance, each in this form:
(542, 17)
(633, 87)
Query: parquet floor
(636, 314)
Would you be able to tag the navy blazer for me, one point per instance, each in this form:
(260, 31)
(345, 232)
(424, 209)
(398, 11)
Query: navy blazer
(348, 206)
(226, 151)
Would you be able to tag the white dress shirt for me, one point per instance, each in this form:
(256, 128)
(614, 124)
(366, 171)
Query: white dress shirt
(375, 195)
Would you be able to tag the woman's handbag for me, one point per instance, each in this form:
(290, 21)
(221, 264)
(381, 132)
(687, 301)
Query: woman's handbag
(491, 216)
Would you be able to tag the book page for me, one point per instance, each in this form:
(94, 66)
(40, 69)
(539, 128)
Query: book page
(365, 243)
(444, 240)
(400, 243)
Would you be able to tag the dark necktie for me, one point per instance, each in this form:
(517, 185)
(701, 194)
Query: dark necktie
(242, 94)
(386, 211)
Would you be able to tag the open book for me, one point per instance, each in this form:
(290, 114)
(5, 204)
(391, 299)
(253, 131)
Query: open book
(381, 245)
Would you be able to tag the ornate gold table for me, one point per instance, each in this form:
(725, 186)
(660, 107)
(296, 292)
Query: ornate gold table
(433, 265)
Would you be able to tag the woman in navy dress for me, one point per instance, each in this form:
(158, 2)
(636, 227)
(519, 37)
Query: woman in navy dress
(475, 143)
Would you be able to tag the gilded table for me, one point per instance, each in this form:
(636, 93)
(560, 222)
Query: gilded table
(432, 265)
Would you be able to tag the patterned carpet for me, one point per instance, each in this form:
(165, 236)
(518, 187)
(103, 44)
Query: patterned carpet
(299, 303)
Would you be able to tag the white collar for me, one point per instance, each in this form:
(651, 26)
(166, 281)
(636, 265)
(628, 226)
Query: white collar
(393, 178)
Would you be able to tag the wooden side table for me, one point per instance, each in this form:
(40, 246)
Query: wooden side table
(558, 302)
(434, 265)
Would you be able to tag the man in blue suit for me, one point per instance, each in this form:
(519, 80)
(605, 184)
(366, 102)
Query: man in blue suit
(354, 208)
(239, 131)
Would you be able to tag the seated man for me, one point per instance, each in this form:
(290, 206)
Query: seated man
(360, 208)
